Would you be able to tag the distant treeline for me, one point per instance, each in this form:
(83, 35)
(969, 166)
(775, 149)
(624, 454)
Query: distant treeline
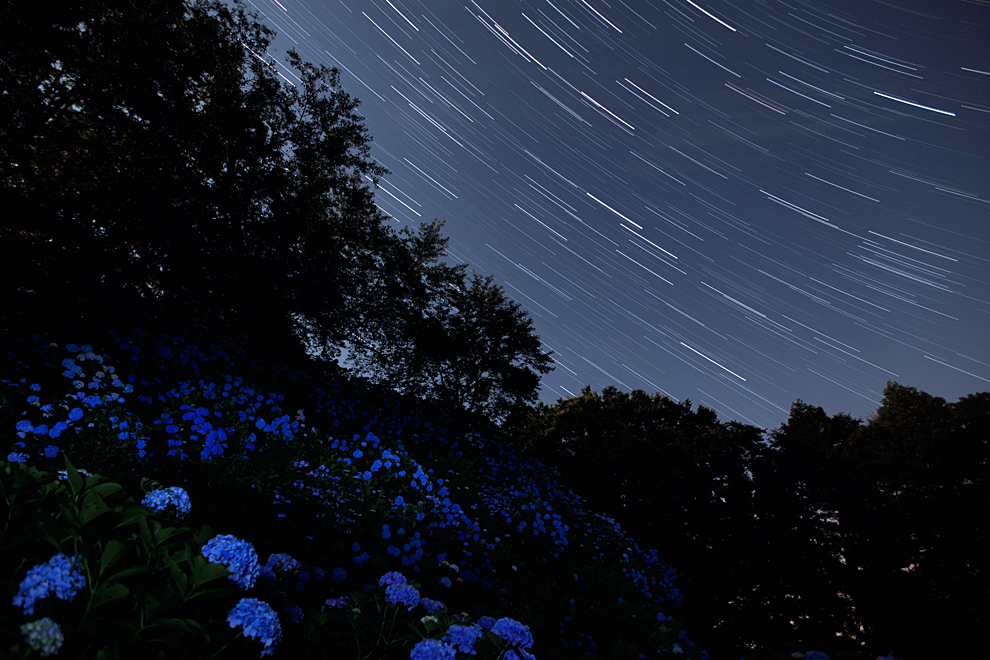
(829, 531)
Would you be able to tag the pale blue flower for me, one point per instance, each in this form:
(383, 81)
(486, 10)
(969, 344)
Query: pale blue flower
(43, 636)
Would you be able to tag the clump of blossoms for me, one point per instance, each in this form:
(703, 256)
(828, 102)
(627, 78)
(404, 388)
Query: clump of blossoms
(43, 636)
(463, 637)
(283, 563)
(238, 556)
(432, 649)
(513, 632)
(58, 575)
(163, 498)
(259, 622)
(392, 577)
(402, 594)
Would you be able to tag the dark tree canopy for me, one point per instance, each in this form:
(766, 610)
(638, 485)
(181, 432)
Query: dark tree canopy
(827, 533)
(152, 152)
(155, 162)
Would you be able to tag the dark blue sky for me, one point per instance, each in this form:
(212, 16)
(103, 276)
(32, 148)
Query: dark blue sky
(739, 203)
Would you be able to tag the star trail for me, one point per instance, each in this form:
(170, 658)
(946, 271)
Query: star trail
(737, 203)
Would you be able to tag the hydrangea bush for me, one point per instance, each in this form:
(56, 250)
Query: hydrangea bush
(390, 531)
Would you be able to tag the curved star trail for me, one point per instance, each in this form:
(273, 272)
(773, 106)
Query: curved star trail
(740, 204)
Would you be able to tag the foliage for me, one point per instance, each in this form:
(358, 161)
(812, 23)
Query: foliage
(830, 532)
(389, 530)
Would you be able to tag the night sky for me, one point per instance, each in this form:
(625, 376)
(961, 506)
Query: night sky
(737, 203)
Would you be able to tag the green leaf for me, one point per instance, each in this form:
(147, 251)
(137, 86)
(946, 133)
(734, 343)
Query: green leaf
(152, 605)
(108, 593)
(179, 576)
(204, 571)
(76, 482)
(107, 489)
(93, 507)
(128, 573)
(112, 553)
(168, 533)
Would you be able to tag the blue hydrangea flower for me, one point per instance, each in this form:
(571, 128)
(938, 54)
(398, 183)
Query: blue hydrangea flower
(513, 632)
(259, 622)
(283, 563)
(445, 581)
(431, 649)
(431, 605)
(43, 636)
(17, 457)
(24, 426)
(51, 451)
(520, 654)
(815, 655)
(58, 574)
(486, 623)
(163, 498)
(402, 594)
(337, 603)
(295, 613)
(238, 556)
(463, 637)
(392, 577)
(339, 574)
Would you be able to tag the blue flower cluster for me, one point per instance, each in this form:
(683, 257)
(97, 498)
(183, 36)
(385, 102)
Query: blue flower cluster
(513, 632)
(463, 637)
(281, 563)
(399, 486)
(259, 622)
(238, 556)
(391, 578)
(43, 636)
(58, 575)
(402, 594)
(432, 649)
(163, 498)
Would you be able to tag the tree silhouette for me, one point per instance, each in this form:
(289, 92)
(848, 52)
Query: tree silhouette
(469, 347)
(155, 163)
(152, 153)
